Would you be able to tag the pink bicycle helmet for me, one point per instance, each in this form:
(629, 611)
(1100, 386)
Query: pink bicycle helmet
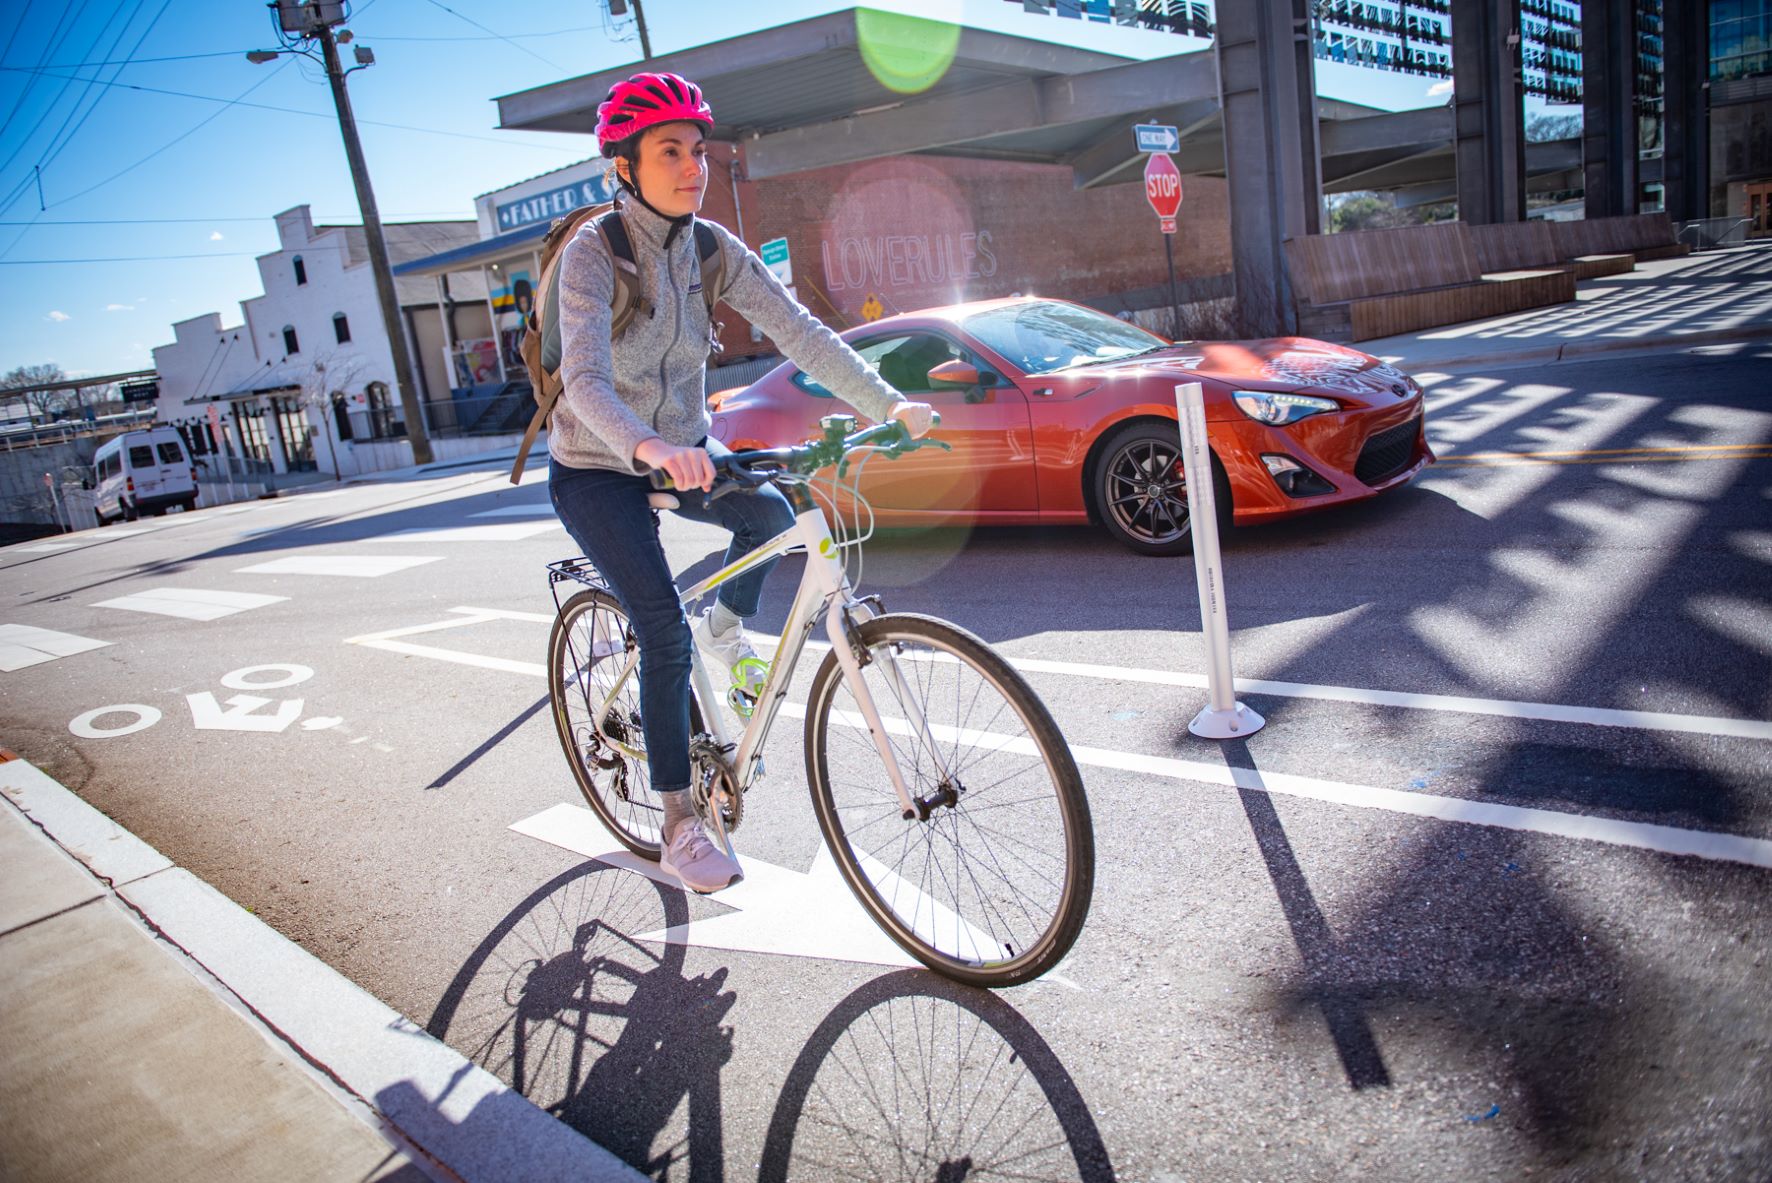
(646, 100)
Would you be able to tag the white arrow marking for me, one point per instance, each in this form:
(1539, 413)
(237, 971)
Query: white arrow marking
(778, 911)
(207, 713)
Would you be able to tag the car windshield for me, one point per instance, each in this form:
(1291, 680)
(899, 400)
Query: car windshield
(1042, 336)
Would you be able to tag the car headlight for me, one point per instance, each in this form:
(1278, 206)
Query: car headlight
(1280, 409)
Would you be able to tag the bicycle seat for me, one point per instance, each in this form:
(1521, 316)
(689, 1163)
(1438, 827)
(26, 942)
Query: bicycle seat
(662, 500)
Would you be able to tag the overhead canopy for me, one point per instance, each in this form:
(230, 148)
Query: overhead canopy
(803, 96)
(478, 254)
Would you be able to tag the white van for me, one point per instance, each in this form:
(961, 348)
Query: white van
(142, 472)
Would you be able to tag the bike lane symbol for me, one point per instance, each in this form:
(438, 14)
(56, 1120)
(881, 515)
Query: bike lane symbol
(242, 712)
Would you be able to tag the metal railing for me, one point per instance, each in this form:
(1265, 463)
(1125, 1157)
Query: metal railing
(17, 435)
(1711, 233)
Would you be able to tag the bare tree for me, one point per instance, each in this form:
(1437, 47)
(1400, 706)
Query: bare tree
(27, 382)
(333, 372)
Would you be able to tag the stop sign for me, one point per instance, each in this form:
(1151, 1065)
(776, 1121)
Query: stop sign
(1162, 186)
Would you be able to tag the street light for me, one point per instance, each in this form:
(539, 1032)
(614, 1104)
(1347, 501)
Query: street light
(321, 18)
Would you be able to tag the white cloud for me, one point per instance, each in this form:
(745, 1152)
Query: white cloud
(1439, 88)
(119, 307)
(216, 236)
(58, 316)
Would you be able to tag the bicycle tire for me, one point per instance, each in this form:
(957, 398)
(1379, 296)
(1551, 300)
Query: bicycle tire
(914, 899)
(617, 787)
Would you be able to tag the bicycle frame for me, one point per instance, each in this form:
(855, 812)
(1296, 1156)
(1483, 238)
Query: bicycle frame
(824, 587)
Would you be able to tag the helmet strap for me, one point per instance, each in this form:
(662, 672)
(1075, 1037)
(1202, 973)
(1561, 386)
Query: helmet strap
(633, 187)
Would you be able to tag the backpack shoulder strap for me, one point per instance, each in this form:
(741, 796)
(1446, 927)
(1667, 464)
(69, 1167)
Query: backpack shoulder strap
(626, 297)
(713, 264)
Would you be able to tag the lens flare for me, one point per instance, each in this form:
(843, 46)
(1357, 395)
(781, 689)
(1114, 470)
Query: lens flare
(905, 54)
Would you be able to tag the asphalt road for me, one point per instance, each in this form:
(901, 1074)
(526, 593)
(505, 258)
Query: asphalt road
(1433, 927)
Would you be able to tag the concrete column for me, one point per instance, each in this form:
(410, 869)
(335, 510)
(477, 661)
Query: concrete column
(1267, 85)
(1608, 107)
(1685, 161)
(1488, 119)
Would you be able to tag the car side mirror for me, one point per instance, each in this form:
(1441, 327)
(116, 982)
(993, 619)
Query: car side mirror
(954, 374)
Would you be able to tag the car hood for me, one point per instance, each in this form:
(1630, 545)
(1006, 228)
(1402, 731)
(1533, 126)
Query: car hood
(1277, 363)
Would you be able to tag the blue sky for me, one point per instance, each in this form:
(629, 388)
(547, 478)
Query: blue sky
(177, 192)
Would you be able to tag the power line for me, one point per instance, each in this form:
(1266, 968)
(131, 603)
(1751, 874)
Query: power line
(183, 57)
(489, 37)
(500, 36)
(127, 259)
(58, 142)
(450, 215)
(435, 131)
(214, 115)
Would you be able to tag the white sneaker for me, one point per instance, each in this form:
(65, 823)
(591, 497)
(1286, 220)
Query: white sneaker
(696, 862)
(732, 652)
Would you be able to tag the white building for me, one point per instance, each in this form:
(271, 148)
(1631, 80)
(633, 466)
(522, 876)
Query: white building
(306, 380)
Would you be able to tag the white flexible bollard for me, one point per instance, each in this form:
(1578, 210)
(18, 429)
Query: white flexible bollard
(1223, 717)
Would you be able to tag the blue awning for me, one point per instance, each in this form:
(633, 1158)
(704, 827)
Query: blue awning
(478, 254)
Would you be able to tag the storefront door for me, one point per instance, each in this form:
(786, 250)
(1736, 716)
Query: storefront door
(1759, 208)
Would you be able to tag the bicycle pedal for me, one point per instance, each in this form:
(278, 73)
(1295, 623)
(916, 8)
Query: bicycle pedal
(742, 701)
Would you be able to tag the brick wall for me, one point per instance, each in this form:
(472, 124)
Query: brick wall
(920, 231)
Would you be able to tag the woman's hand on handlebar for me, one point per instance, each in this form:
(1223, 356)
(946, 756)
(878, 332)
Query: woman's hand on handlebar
(916, 417)
(688, 468)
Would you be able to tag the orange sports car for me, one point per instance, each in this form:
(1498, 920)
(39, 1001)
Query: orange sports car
(1059, 414)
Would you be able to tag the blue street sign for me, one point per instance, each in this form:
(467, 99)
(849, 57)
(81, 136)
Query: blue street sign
(1156, 137)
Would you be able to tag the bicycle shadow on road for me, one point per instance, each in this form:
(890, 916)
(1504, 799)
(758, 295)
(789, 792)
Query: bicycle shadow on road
(911, 1076)
(561, 1003)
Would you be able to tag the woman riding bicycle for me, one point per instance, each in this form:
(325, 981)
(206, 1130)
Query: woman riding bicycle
(639, 403)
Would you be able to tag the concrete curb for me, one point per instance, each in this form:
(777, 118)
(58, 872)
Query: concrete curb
(450, 1109)
(1568, 350)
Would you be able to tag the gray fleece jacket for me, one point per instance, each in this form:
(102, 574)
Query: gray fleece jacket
(652, 382)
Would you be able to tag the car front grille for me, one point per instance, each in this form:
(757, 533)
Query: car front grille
(1387, 453)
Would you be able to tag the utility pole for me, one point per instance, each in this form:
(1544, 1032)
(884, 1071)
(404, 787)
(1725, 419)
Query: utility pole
(645, 42)
(378, 252)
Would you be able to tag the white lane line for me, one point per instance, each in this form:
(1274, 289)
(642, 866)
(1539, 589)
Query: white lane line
(1709, 844)
(490, 532)
(190, 603)
(1504, 708)
(41, 548)
(354, 566)
(391, 642)
(1641, 835)
(539, 509)
(24, 645)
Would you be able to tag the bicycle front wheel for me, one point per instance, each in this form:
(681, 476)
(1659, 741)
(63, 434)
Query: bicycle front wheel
(988, 883)
(588, 652)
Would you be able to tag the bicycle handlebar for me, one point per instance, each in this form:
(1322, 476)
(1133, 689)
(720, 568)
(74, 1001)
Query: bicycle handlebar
(755, 467)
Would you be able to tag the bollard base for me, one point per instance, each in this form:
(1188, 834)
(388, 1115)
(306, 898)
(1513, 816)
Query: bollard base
(1232, 724)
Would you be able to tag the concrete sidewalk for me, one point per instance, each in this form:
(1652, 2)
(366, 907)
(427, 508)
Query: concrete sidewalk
(1711, 298)
(152, 1029)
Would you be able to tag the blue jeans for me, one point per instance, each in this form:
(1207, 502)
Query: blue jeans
(608, 517)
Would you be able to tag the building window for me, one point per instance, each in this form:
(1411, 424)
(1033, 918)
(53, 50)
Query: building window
(341, 327)
(297, 433)
(253, 441)
(382, 424)
(301, 272)
(290, 344)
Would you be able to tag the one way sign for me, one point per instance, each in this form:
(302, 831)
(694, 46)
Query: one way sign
(1156, 137)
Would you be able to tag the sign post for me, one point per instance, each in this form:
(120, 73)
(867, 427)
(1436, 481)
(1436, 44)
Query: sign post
(221, 445)
(1223, 717)
(1162, 188)
(57, 511)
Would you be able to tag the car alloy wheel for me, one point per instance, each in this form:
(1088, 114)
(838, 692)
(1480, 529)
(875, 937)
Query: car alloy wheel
(1141, 491)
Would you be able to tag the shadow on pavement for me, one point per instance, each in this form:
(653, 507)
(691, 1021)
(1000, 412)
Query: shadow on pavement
(603, 1032)
(912, 1077)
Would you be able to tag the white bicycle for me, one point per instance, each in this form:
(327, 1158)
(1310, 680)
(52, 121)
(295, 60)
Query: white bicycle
(943, 788)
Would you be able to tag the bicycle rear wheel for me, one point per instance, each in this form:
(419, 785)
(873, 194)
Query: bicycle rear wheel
(990, 884)
(588, 649)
